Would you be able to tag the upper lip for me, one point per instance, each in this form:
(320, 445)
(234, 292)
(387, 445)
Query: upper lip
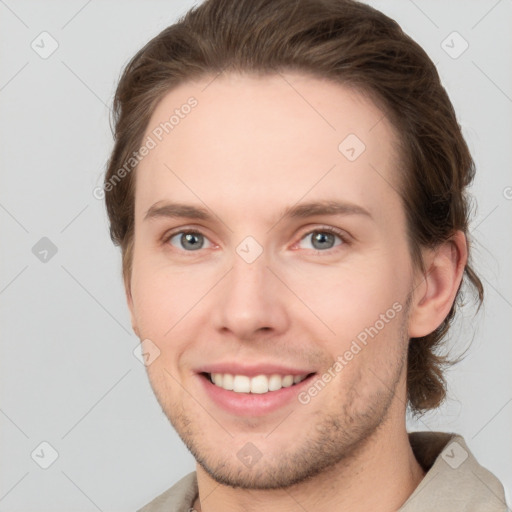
(251, 370)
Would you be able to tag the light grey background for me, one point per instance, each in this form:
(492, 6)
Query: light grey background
(68, 373)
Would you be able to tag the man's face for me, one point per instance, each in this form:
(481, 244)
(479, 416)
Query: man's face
(252, 291)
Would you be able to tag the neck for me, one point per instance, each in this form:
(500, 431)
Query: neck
(379, 477)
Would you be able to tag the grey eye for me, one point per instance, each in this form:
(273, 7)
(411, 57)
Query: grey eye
(190, 241)
(322, 240)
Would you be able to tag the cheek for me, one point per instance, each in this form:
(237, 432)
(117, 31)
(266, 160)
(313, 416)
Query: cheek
(352, 296)
(164, 297)
(162, 307)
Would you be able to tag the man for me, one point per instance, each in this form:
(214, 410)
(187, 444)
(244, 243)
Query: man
(288, 189)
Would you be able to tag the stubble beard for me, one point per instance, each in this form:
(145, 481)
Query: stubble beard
(331, 442)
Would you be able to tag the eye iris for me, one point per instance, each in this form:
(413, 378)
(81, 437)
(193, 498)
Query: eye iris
(322, 238)
(195, 241)
(190, 241)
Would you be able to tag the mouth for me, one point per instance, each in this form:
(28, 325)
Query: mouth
(259, 384)
(254, 396)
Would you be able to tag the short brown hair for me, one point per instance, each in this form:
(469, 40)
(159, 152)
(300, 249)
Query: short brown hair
(347, 42)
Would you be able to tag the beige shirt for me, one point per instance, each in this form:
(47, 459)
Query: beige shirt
(454, 481)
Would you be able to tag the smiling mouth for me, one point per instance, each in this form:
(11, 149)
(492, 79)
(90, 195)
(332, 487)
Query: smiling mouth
(259, 384)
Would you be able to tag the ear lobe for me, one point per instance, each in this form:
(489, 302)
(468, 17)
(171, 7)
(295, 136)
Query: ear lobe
(129, 301)
(434, 296)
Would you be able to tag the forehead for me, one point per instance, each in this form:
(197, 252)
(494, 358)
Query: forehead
(277, 138)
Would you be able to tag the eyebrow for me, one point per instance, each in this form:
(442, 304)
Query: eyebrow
(167, 209)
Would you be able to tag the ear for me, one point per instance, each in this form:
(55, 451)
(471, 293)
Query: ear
(435, 291)
(129, 301)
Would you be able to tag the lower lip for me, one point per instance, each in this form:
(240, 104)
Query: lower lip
(252, 404)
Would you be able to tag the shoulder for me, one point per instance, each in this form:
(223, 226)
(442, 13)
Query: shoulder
(180, 497)
(454, 479)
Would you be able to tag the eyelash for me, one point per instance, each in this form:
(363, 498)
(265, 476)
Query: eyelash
(324, 229)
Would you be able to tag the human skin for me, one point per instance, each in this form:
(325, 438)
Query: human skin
(252, 147)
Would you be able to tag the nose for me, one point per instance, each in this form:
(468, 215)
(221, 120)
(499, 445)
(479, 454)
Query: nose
(250, 302)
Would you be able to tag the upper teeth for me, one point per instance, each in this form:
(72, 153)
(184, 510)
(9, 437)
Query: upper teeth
(258, 384)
